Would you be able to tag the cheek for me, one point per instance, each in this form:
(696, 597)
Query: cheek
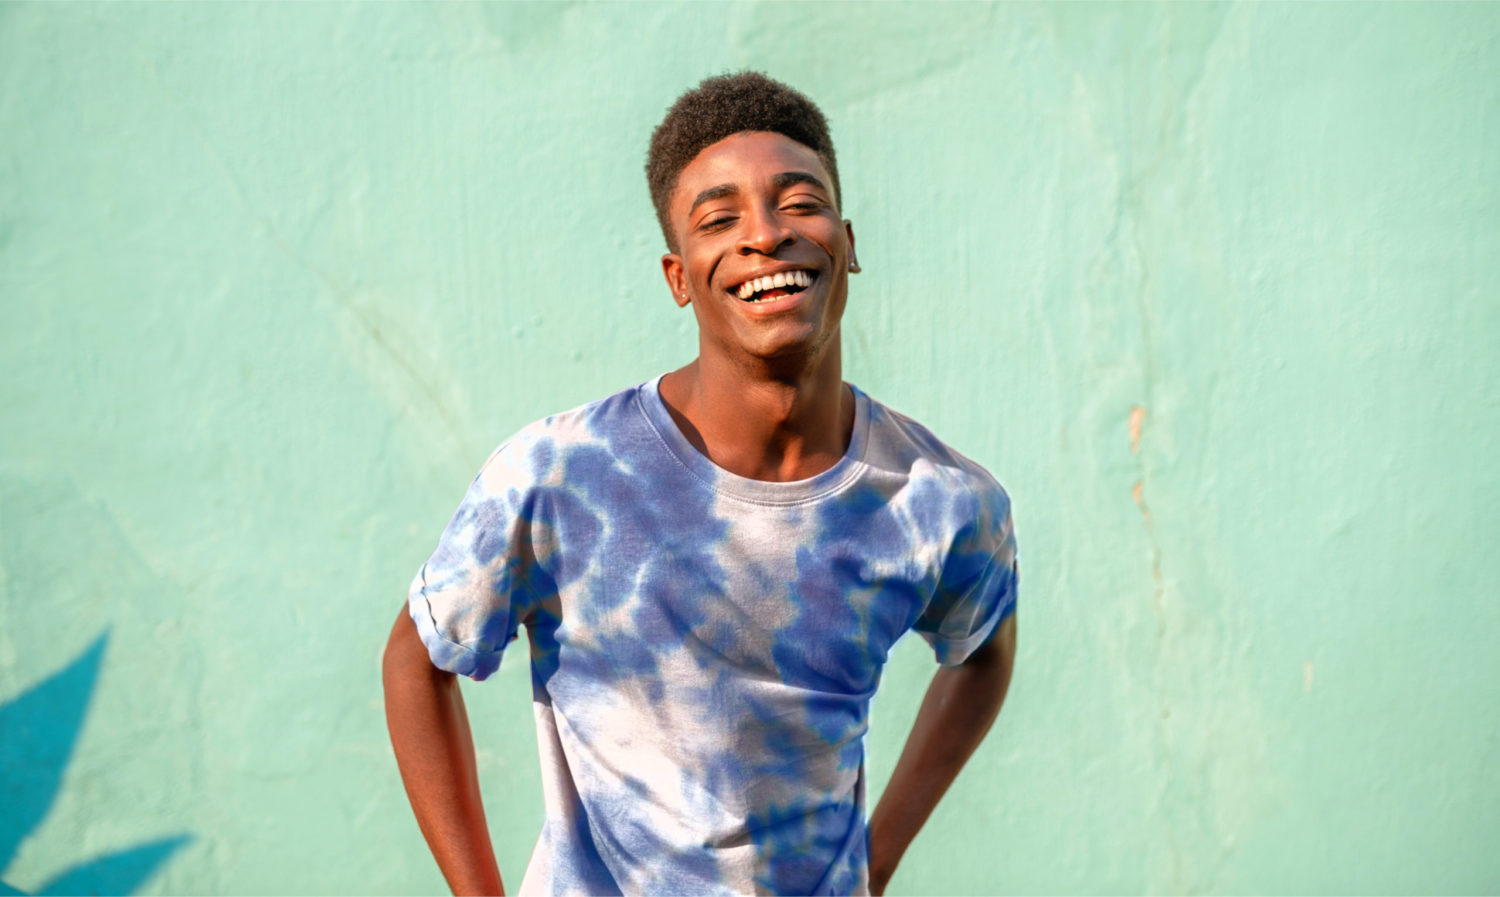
(700, 270)
(704, 313)
(833, 240)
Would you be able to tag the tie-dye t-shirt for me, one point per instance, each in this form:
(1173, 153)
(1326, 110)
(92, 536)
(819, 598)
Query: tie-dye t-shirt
(704, 646)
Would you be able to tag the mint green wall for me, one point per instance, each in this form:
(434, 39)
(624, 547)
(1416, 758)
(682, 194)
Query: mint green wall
(1212, 289)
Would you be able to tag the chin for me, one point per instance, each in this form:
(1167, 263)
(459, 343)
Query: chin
(790, 348)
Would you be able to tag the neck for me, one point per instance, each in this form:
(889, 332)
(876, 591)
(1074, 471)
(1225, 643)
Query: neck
(777, 421)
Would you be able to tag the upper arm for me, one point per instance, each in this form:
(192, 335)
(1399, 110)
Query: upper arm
(998, 652)
(404, 650)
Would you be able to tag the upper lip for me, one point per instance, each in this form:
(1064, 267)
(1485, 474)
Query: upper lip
(767, 272)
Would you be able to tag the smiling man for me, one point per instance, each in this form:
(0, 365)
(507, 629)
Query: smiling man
(712, 568)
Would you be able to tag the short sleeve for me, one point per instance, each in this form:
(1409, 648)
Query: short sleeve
(978, 587)
(469, 597)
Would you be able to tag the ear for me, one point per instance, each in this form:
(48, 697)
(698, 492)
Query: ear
(849, 231)
(671, 269)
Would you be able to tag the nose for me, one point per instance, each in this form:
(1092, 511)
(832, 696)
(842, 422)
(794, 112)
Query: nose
(765, 233)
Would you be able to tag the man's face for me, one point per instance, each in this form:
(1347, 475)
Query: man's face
(747, 210)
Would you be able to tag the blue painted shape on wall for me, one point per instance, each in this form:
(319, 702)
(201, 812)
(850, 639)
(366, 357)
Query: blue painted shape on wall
(38, 731)
(120, 872)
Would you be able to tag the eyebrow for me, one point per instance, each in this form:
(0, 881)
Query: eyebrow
(713, 193)
(789, 178)
(780, 182)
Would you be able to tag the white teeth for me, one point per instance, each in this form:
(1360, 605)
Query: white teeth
(773, 282)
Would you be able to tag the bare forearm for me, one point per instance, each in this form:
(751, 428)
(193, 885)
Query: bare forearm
(960, 706)
(429, 730)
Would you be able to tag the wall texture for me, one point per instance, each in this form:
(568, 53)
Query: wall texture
(1211, 288)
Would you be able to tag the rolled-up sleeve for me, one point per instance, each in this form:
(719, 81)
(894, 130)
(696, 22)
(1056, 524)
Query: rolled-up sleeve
(979, 586)
(463, 598)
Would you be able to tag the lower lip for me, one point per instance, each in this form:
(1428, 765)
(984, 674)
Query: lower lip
(775, 306)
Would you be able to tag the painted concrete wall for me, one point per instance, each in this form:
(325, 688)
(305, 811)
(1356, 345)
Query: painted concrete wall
(1212, 289)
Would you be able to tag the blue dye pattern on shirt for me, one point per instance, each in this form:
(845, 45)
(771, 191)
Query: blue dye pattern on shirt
(704, 646)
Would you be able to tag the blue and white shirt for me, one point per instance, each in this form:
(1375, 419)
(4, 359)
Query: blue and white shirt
(704, 646)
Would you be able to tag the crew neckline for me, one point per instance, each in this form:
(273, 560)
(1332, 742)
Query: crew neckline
(766, 492)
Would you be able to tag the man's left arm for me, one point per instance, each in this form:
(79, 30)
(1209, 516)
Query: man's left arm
(959, 708)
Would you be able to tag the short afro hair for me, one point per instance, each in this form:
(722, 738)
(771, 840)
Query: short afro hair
(723, 106)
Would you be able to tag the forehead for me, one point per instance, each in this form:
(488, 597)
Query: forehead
(745, 160)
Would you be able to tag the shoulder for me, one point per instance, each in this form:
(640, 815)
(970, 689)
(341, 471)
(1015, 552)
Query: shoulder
(899, 442)
(537, 453)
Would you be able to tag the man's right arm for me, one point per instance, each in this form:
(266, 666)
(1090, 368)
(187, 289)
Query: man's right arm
(435, 751)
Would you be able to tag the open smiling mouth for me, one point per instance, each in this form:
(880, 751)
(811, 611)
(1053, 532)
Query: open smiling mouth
(774, 286)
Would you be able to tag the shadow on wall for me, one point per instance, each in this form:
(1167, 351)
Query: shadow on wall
(38, 729)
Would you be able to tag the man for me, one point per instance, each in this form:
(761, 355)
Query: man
(712, 568)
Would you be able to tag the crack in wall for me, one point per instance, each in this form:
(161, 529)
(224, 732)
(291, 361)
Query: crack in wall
(1145, 93)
